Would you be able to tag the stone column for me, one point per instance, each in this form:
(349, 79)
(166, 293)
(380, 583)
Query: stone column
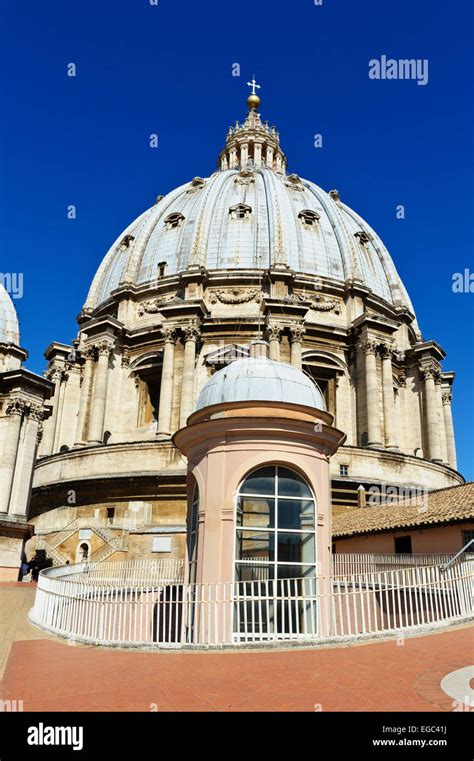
(15, 410)
(448, 424)
(59, 419)
(372, 394)
(428, 375)
(89, 356)
(21, 488)
(167, 373)
(441, 427)
(274, 335)
(388, 397)
(191, 335)
(50, 427)
(296, 338)
(96, 430)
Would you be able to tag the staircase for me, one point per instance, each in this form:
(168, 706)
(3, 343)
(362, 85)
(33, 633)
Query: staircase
(103, 553)
(56, 556)
(106, 534)
(63, 536)
(113, 543)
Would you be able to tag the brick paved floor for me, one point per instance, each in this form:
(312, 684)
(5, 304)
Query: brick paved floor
(48, 674)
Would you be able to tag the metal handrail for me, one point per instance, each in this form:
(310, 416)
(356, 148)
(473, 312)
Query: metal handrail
(445, 567)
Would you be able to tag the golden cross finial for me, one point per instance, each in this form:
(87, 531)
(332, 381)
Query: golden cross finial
(253, 101)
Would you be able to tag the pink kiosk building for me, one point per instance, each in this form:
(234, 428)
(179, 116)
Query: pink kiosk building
(258, 448)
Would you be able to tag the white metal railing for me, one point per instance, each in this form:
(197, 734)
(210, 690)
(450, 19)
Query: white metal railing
(349, 563)
(126, 572)
(126, 604)
(458, 555)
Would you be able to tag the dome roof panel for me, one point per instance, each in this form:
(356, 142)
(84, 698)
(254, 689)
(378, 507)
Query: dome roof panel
(260, 379)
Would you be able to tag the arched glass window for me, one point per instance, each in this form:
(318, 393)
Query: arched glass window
(193, 536)
(275, 526)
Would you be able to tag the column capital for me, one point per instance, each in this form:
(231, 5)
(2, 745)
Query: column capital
(430, 370)
(274, 332)
(18, 405)
(89, 352)
(386, 349)
(104, 348)
(191, 332)
(169, 333)
(368, 346)
(296, 333)
(35, 412)
(54, 374)
(447, 397)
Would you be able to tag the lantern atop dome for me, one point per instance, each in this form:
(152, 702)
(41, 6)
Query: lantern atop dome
(253, 144)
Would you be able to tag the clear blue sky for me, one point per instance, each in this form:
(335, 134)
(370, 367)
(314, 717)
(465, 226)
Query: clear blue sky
(143, 69)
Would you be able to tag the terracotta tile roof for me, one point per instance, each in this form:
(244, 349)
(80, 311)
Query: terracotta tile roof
(443, 506)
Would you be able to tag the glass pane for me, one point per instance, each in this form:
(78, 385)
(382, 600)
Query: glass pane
(262, 481)
(296, 571)
(255, 545)
(253, 572)
(192, 573)
(194, 517)
(296, 548)
(256, 512)
(192, 549)
(296, 513)
(290, 484)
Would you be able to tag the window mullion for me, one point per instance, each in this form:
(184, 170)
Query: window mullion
(275, 529)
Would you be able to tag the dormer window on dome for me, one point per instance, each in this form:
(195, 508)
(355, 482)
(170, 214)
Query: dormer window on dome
(309, 217)
(294, 182)
(245, 177)
(125, 242)
(174, 220)
(196, 184)
(240, 211)
(362, 237)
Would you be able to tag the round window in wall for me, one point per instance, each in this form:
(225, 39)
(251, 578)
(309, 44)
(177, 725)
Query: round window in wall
(275, 526)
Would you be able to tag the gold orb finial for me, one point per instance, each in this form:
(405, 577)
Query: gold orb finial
(253, 101)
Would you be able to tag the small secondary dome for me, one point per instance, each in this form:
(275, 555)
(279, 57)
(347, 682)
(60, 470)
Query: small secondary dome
(260, 379)
(9, 329)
